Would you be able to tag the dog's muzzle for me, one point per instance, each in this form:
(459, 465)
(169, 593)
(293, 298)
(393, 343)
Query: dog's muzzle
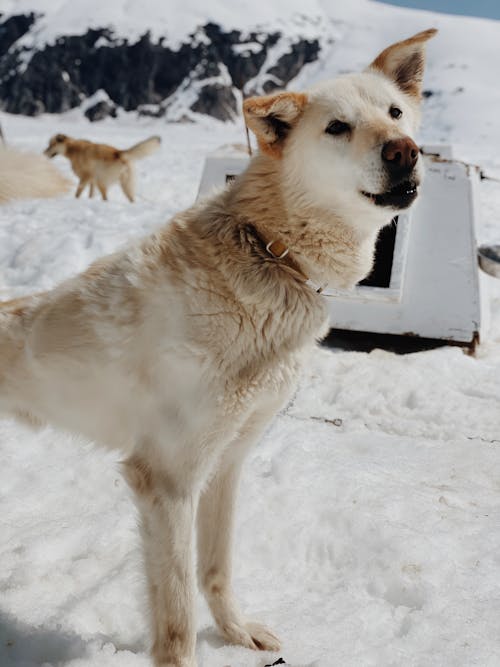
(399, 197)
(399, 157)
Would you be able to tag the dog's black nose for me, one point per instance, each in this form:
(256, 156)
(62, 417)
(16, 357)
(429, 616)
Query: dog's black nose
(400, 155)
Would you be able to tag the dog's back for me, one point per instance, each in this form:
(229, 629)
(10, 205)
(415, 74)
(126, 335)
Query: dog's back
(84, 153)
(102, 162)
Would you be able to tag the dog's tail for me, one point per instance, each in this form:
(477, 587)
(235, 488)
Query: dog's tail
(10, 348)
(13, 369)
(26, 175)
(142, 149)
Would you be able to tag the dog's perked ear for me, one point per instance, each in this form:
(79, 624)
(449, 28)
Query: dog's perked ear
(271, 118)
(404, 62)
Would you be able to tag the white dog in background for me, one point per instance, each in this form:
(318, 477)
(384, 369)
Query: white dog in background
(26, 175)
(180, 349)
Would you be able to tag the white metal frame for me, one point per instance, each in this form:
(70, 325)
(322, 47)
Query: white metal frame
(436, 289)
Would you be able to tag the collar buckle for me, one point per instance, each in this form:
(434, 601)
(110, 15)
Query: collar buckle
(283, 253)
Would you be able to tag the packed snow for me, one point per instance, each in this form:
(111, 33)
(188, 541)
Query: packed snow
(368, 531)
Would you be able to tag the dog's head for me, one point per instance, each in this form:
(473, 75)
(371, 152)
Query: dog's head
(348, 143)
(57, 146)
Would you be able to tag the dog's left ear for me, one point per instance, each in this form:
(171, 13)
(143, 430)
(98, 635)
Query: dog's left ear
(271, 118)
(404, 62)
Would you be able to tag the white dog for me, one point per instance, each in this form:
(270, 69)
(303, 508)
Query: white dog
(26, 175)
(181, 348)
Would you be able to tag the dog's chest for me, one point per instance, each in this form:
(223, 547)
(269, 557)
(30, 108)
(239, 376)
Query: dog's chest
(266, 368)
(263, 385)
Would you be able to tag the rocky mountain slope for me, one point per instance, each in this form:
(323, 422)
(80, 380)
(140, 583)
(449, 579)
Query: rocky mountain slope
(205, 71)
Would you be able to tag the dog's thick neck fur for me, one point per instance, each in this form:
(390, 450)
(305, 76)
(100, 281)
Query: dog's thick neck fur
(329, 249)
(223, 236)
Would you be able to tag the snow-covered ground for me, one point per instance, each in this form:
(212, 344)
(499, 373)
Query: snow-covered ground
(368, 526)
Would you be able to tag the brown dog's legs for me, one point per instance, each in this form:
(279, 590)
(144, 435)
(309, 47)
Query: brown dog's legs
(81, 186)
(102, 190)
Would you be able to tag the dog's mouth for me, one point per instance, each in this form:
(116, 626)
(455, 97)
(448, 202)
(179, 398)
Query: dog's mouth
(400, 196)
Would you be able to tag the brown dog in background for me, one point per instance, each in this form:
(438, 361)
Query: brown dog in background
(100, 164)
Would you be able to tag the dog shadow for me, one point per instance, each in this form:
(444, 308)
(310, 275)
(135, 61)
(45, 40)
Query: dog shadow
(211, 637)
(23, 645)
(29, 646)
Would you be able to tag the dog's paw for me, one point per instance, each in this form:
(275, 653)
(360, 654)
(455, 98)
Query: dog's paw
(251, 635)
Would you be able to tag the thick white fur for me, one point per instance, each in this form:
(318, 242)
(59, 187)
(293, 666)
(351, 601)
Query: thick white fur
(181, 348)
(345, 166)
(24, 175)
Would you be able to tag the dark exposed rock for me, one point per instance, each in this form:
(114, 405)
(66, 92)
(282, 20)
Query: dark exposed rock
(290, 64)
(100, 111)
(243, 57)
(142, 75)
(216, 100)
(151, 110)
(12, 29)
(61, 75)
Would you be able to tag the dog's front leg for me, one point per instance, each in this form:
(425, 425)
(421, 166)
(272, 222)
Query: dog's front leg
(81, 186)
(215, 528)
(167, 517)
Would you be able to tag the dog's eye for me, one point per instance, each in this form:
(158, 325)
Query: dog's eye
(337, 127)
(395, 112)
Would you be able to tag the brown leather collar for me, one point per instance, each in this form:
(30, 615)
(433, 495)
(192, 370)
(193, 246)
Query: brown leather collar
(278, 251)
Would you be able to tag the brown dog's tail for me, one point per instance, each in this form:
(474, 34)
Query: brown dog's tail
(142, 149)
